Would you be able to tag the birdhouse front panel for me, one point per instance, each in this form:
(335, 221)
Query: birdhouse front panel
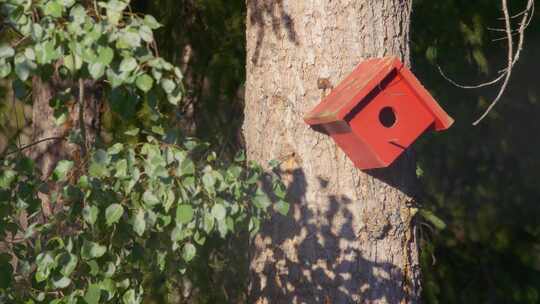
(392, 120)
(377, 112)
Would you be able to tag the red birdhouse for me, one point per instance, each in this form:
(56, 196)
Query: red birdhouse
(377, 112)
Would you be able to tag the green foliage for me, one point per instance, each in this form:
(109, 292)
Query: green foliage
(152, 205)
(125, 220)
(109, 45)
(210, 35)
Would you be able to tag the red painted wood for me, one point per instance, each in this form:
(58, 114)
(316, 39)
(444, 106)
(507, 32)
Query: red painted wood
(351, 91)
(351, 113)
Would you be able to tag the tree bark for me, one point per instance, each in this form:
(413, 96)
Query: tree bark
(349, 237)
(48, 153)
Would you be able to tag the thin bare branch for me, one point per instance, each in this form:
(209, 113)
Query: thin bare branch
(82, 126)
(18, 150)
(477, 86)
(501, 30)
(510, 62)
(523, 25)
(505, 37)
(16, 114)
(512, 58)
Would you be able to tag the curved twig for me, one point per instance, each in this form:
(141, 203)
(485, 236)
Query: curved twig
(512, 58)
(31, 145)
(477, 86)
(508, 27)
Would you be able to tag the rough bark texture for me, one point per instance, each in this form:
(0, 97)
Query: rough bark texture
(349, 237)
(47, 153)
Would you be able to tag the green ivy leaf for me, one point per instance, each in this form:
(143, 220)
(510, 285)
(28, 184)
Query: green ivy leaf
(78, 13)
(150, 198)
(114, 10)
(30, 54)
(209, 181)
(151, 22)
(167, 85)
(60, 117)
(146, 34)
(23, 67)
(121, 169)
(94, 267)
(187, 167)
(62, 169)
(130, 297)
(222, 228)
(132, 132)
(113, 213)
(98, 166)
(110, 271)
(92, 294)
(261, 201)
(219, 212)
(144, 82)
(89, 55)
(73, 62)
(139, 223)
(61, 283)
(6, 179)
(115, 149)
(41, 297)
(90, 214)
(178, 73)
(68, 262)
(105, 55)
(169, 200)
(37, 32)
(188, 252)
(5, 68)
(47, 52)
(433, 219)
(45, 263)
(254, 226)
(177, 234)
(282, 207)
(96, 70)
(208, 222)
(199, 238)
(91, 250)
(175, 96)
(54, 9)
(129, 40)
(184, 214)
(117, 5)
(128, 64)
(6, 51)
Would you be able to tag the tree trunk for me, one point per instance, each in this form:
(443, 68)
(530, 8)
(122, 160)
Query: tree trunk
(46, 154)
(349, 237)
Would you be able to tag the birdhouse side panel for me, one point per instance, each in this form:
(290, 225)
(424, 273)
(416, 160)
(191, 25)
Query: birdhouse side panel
(354, 147)
(442, 120)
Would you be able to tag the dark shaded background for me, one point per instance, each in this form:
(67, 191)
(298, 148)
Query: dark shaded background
(482, 181)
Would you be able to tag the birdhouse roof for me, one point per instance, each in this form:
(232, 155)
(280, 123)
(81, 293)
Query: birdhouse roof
(366, 77)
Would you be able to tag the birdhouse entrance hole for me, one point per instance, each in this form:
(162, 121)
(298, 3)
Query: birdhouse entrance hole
(387, 117)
